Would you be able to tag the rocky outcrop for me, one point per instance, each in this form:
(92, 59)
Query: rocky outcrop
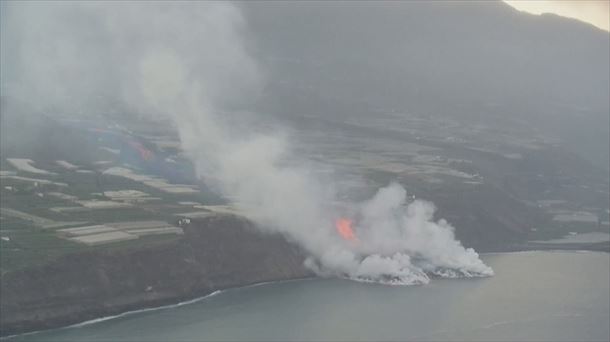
(216, 253)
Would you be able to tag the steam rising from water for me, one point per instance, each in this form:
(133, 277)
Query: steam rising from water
(186, 62)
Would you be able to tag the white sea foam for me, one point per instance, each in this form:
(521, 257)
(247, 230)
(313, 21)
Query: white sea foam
(128, 313)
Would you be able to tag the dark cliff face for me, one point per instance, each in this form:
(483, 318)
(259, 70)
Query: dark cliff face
(214, 254)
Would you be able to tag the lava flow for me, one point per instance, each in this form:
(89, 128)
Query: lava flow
(344, 227)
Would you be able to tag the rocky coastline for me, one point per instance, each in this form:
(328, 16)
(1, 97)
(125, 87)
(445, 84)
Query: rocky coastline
(214, 254)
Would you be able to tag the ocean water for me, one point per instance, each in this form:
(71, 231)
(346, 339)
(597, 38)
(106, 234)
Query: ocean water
(557, 296)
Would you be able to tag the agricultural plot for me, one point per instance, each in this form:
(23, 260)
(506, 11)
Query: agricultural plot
(25, 165)
(152, 181)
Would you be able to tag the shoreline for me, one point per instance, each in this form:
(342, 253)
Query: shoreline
(603, 247)
(94, 284)
(168, 306)
(154, 308)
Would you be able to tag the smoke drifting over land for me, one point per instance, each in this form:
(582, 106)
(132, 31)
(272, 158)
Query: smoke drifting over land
(188, 62)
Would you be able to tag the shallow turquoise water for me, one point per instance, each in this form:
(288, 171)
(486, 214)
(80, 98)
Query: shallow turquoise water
(533, 296)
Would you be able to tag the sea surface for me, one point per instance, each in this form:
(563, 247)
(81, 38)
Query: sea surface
(550, 295)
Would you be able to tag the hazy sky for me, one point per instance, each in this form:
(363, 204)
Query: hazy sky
(593, 12)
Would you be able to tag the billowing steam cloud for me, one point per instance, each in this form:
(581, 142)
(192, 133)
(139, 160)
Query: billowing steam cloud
(187, 62)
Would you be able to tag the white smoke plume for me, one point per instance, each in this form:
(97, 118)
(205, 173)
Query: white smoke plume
(187, 61)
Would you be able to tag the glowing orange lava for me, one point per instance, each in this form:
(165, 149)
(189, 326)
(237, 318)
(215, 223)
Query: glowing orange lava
(344, 227)
(145, 153)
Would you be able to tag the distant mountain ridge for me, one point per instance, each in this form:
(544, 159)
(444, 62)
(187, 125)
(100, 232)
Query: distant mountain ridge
(482, 60)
